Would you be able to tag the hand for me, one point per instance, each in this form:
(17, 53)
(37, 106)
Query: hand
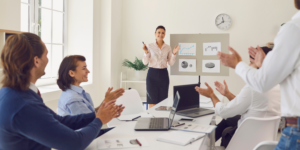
(113, 95)
(223, 89)
(205, 92)
(105, 114)
(230, 60)
(258, 54)
(145, 48)
(222, 20)
(220, 23)
(176, 49)
(120, 110)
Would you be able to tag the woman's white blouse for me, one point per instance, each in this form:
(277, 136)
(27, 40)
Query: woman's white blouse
(158, 58)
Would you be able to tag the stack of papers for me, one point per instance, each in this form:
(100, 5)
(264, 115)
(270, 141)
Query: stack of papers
(122, 143)
(180, 138)
(192, 127)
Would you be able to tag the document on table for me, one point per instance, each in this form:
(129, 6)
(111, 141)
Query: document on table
(121, 143)
(132, 117)
(192, 127)
(180, 138)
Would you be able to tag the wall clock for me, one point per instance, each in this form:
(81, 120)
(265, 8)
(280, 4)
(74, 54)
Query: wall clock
(223, 21)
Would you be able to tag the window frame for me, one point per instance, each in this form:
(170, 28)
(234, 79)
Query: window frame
(35, 27)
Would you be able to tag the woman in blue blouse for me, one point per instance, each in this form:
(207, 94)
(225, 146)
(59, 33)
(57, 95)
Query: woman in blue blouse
(74, 100)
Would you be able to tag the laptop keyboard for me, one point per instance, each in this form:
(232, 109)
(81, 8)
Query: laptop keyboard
(156, 123)
(194, 110)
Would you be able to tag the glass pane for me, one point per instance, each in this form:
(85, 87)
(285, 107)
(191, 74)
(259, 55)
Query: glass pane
(57, 56)
(58, 5)
(24, 1)
(49, 65)
(45, 25)
(25, 17)
(58, 23)
(45, 3)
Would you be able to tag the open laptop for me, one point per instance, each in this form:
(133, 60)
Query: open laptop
(189, 104)
(158, 124)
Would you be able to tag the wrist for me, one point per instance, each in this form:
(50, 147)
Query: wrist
(212, 95)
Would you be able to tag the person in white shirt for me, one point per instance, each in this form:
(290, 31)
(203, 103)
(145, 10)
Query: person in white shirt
(281, 66)
(248, 103)
(158, 55)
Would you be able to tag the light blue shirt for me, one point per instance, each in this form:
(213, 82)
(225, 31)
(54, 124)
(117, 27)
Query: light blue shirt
(75, 101)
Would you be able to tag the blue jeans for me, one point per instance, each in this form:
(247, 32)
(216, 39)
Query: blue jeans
(290, 138)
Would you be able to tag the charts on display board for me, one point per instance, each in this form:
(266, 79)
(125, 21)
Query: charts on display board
(211, 66)
(187, 65)
(211, 48)
(188, 49)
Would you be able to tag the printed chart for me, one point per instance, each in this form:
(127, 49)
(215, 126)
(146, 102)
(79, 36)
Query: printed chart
(187, 65)
(211, 48)
(211, 66)
(188, 49)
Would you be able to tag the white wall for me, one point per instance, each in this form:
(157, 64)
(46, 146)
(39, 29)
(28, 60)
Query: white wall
(10, 14)
(255, 22)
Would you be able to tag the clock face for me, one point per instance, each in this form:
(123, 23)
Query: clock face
(223, 21)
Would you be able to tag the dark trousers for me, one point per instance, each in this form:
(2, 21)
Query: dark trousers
(226, 129)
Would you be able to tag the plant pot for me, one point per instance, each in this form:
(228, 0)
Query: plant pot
(140, 75)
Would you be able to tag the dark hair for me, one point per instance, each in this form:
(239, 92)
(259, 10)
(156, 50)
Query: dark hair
(297, 4)
(160, 27)
(265, 49)
(69, 63)
(17, 59)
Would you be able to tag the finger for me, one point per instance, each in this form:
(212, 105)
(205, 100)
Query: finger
(232, 50)
(260, 49)
(207, 85)
(225, 83)
(252, 60)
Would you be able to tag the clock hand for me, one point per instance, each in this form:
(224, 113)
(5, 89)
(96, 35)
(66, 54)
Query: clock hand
(220, 23)
(222, 19)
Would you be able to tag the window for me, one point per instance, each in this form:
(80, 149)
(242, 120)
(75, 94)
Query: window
(47, 18)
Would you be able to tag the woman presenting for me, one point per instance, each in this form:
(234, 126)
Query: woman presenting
(158, 54)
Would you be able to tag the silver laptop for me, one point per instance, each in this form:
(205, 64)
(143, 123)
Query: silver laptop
(158, 124)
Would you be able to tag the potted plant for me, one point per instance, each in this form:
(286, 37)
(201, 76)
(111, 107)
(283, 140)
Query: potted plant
(138, 66)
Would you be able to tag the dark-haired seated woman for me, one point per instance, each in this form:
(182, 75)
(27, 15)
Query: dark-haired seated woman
(74, 100)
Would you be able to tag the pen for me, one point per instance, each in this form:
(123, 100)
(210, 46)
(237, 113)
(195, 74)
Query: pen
(180, 125)
(146, 46)
(138, 142)
(136, 118)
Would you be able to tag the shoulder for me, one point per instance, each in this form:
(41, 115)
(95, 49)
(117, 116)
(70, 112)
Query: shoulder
(68, 96)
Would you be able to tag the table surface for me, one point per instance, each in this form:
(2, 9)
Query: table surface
(126, 129)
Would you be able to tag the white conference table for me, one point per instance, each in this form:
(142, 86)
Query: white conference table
(125, 129)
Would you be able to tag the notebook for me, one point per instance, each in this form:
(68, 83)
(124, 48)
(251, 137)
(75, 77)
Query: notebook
(192, 127)
(180, 138)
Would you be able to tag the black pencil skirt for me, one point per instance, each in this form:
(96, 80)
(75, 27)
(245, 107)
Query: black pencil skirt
(157, 83)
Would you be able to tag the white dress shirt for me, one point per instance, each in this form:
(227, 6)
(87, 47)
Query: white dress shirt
(33, 87)
(281, 66)
(249, 103)
(159, 57)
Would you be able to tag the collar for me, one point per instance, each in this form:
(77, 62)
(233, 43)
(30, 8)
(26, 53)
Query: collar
(33, 87)
(75, 88)
(297, 15)
(157, 44)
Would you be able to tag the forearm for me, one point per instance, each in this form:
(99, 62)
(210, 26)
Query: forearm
(172, 59)
(230, 96)
(146, 58)
(214, 99)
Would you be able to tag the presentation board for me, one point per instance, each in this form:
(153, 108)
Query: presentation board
(198, 54)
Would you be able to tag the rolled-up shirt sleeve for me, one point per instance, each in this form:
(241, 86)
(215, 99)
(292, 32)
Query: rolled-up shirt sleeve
(171, 58)
(237, 106)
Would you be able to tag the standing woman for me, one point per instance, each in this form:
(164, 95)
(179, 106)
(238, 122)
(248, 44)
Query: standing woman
(158, 54)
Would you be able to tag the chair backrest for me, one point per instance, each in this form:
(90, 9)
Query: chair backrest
(253, 131)
(266, 145)
(132, 102)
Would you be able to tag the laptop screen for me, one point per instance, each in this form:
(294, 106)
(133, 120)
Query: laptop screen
(173, 110)
(189, 96)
